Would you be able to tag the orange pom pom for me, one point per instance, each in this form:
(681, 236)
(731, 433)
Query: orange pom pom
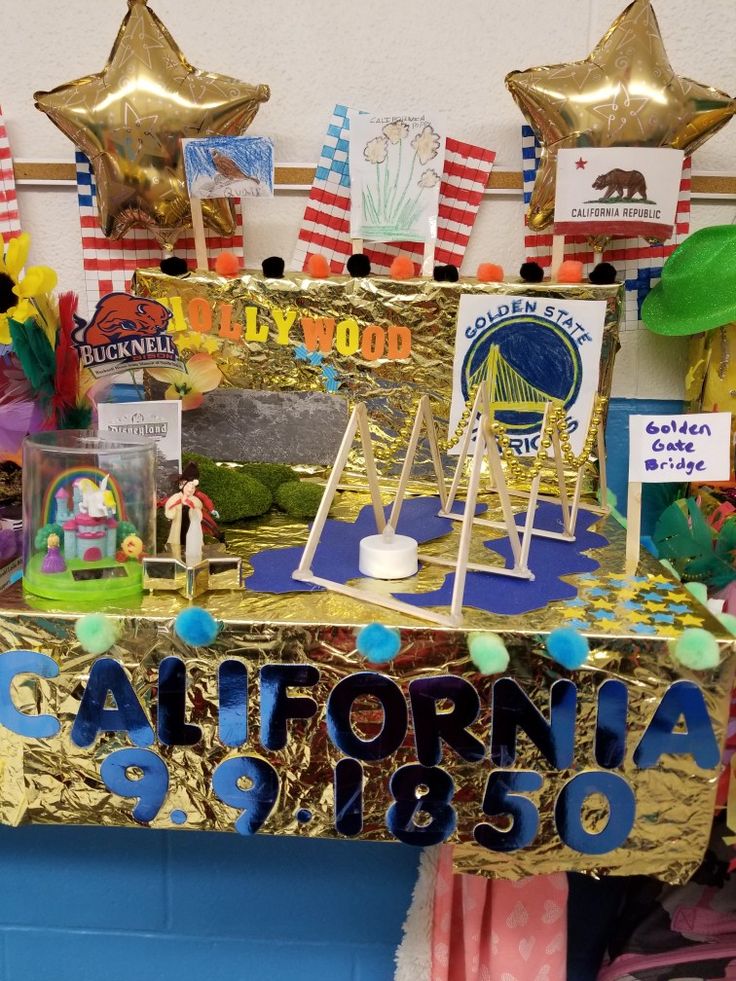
(227, 264)
(402, 268)
(317, 266)
(570, 271)
(489, 272)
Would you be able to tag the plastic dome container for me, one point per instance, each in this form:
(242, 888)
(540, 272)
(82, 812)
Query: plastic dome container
(89, 514)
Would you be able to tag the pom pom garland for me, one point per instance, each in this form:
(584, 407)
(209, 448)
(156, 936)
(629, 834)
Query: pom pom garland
(174, 265)
(377, 643)
(603, 274)
(96, 632)
(317, 266)
(568, 647)
(570, 271)
(697, 649)
(358, 265)
(489, 272)
(273, 267)
(196, 627)
(227, 264)
(531, 272)
(439, 274)
(488, 653)
(402, 268)
(452, 274)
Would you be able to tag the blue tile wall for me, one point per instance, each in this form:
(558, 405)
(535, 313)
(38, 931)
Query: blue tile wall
(99, 904)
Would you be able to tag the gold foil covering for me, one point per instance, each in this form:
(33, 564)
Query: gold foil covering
(391, 388)
(54, 781)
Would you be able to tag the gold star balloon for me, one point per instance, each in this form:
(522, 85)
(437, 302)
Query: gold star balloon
(624, 93)
(130, 120)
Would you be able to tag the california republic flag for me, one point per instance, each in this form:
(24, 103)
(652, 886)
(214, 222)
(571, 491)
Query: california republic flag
(622, 191)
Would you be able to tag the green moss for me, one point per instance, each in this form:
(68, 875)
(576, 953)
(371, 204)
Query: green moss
(299, 498)
(203, 462)
(273, 475)
(234, 494)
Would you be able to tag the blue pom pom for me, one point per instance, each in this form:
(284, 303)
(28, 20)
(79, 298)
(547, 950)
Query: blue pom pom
(488, 653)
(568, 647)
(196, 627)
(378, 643)
(96, 632)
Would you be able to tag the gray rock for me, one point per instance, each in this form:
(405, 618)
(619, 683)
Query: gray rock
(245, 426)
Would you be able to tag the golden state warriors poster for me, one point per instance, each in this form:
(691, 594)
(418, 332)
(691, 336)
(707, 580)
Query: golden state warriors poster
(529, 350)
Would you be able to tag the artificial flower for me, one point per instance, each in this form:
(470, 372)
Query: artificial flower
(430, 178)
(376, 149)
(396, 131)
(16, 293)
(426, 144)
(201, 375)
(193, 340)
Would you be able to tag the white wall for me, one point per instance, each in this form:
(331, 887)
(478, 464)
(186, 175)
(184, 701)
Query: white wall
(448, 54)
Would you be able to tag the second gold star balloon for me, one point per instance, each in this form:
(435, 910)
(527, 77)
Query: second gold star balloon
(625, 93)
(131, 117)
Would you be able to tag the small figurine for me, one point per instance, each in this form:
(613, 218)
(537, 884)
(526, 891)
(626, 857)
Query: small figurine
(191, 513)
(131, 547)
(53, 560)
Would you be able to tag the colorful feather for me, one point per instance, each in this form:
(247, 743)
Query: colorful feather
(32, 348)
(66, 375)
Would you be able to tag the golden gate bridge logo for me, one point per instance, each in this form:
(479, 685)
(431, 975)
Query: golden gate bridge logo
(526, 362)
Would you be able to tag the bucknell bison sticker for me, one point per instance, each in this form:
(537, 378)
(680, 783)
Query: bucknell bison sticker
(126, 332)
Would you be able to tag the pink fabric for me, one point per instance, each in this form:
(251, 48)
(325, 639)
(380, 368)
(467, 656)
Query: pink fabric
(493, 930)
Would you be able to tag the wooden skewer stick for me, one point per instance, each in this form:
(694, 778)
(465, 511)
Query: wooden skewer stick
(200, 242)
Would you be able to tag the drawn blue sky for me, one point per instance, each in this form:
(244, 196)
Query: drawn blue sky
(253, 154)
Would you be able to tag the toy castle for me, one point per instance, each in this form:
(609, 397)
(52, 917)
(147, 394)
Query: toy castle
(90, 526)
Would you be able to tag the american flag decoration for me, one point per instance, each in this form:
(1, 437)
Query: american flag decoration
(325, 227)
(9, 218)
(110, 263)
(637, 263)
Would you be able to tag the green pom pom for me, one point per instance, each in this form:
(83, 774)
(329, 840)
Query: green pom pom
(729, 622)
(235, 496)
(699, 590)
(488, 653)
(124, 529)
(299, 498)
(96, 632)
(696, 649)
(273, 475)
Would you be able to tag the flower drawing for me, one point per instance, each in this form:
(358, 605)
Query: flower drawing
(391, 209)
(430, 178)
(396, 131)
(375, 150)
(426, 144)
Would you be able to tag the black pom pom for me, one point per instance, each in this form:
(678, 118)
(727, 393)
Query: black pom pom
(174, 265)
(440, 274)
(603, 274)
(358, 265)
(531, 272)
(452, 274)
(273, 267)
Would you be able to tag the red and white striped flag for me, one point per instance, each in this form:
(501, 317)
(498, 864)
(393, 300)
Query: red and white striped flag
(325, 228)
(9, 218)
(110, 263)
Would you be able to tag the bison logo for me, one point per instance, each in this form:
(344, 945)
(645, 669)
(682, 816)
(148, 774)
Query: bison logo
(624, 183)
(119, 317)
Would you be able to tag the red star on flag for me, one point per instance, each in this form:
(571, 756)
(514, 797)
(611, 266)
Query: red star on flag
(580, 164)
